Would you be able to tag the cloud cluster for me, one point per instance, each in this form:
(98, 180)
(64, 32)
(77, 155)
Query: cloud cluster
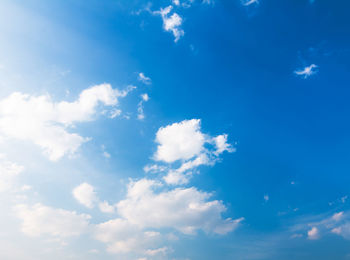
(148, 209)
(153, 210)
(46, 123)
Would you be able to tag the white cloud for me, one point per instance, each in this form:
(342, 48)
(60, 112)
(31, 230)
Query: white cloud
(45, 123)
(222, 145)
(307, 71)
(184, 209)
(38, 220)
(185, 142)
(86, 195)
(176, 2)
(123, 237)
(145, 97)
(179, 141)
(313, 233)
(171, 23)
(144, 79)
(249, 2)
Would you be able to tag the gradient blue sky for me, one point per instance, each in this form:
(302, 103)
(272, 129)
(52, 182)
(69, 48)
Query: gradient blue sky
(250, 98)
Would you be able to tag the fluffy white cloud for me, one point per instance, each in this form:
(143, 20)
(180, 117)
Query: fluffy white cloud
(179, 141)
(184, 209)
(148, 209)
(85, 194)
(144, 79)
(40, 220)
(307, 71)
(184, 141)
(171, 23)
(45, 123)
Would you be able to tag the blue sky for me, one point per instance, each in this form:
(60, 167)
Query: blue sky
(185, 129)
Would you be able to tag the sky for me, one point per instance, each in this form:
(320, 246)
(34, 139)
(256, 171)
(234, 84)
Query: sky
(174, 129)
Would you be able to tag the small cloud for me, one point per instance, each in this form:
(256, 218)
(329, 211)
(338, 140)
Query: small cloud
(176, 2)
(114, 113)
(338, 216)
(106, 154)
(171, 23)
(249, 2)
(140, 112)
(266, 198)
(313, 233)
(307, 71)
(145, 97)
(144, 79)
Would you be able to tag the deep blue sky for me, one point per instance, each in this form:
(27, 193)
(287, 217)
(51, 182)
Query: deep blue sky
(235, 69)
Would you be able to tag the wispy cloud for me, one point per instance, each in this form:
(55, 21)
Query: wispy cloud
(144, 79)
(249, 2)
(307, 71)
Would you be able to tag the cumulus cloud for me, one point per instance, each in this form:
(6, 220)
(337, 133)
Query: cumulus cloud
(144, 79)
(45, 123)
(185, 142)
(150, 208)
(307, 71)
(38, 220)
(184, 209)
(179, 141)
(171, 23)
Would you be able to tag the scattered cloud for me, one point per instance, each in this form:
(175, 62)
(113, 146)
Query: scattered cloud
(46, 123)
(307, 71)
(140, 110)
(184, 209)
